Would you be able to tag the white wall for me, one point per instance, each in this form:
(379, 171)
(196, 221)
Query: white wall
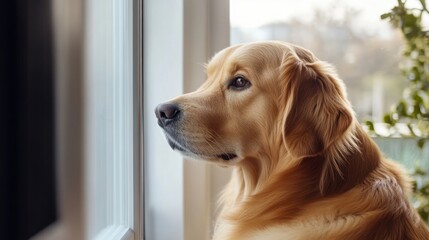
(163, 77)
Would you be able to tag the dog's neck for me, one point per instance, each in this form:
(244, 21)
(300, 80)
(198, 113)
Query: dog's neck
(289, 184)
(253, 173)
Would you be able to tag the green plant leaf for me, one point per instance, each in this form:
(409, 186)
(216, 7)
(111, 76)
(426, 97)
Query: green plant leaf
(386, 15)
(417, 98)
(421, 142)
(370, 125)
(388, 119)
(419, 172)
(425, 189)
(401, 109)
(413, 109)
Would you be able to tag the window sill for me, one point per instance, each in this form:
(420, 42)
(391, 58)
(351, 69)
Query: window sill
(115, 232)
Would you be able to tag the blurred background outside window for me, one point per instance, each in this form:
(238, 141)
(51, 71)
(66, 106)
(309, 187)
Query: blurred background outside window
(365, 50)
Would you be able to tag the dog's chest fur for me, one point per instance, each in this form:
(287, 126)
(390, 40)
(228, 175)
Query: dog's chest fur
(309, 229)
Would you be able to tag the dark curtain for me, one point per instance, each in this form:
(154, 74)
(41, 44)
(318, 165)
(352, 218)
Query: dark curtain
(27, 170)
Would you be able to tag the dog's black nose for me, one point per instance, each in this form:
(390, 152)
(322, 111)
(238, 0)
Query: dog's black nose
(166, 113)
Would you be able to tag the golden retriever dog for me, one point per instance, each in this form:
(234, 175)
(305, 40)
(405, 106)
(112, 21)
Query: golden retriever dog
(303, 167)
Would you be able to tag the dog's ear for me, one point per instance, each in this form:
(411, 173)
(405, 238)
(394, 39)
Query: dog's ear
(318, 118)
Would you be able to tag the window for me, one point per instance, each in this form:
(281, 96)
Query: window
(109, 117)
(99, 120)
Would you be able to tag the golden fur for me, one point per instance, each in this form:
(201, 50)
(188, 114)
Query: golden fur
(304, 168)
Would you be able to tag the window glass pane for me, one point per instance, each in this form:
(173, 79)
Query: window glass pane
(109, 115)
(349, 34)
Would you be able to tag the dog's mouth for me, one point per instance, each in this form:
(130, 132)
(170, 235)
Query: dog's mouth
(176, 146)
(227, 156)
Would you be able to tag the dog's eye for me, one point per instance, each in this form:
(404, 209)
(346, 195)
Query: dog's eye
(239, 83)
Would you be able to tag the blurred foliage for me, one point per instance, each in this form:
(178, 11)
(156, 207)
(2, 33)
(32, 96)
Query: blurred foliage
(412, 110)
(421, 193)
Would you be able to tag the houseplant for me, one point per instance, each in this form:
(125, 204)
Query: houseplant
(410, 115)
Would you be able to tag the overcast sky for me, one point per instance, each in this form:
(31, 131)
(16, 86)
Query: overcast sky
(253, 13)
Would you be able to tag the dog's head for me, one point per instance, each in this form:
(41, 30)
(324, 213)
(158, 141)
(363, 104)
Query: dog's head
(261, 101)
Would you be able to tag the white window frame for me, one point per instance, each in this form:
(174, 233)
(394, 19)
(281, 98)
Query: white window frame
(72, 21)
